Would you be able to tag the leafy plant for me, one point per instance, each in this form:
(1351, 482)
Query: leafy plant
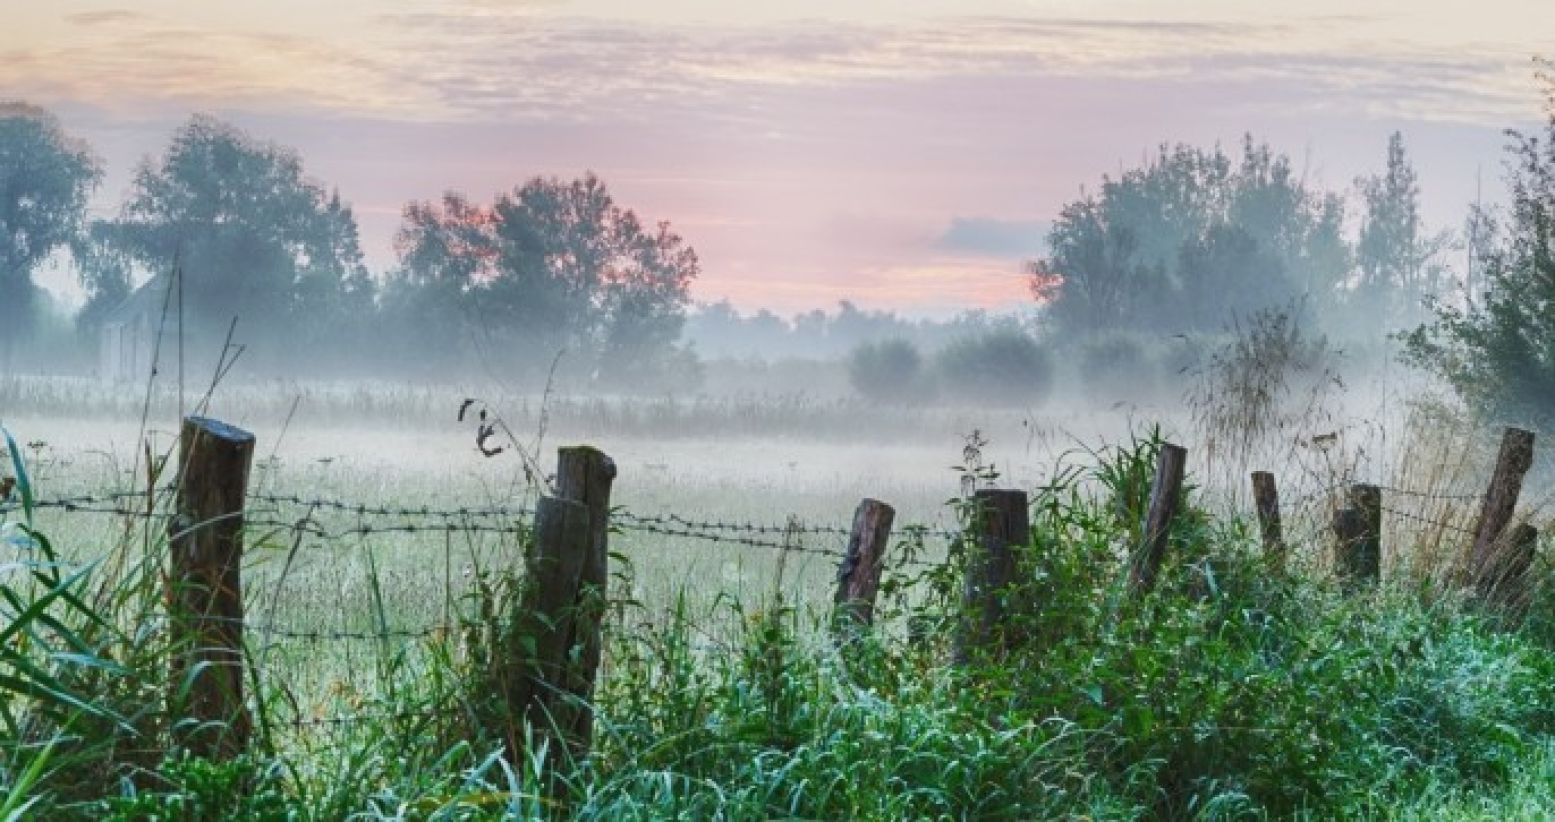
(1498, 352)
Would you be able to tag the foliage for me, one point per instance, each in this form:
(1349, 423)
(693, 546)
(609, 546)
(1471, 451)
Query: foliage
(248, 232)
(888, 371)
(105, 272)
(46, 176)
(1498, 353)
(46, 621)
(1188, 239)
(998, 367)
(551, 266)
(187, 787)
(1398, 269)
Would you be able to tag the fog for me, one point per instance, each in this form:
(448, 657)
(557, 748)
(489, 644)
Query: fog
(1216, 288)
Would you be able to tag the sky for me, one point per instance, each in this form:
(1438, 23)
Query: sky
(906, 154)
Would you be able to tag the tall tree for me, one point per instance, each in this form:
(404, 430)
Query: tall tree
(551, 266)
(251, 234)
(1188, 240)
(1394, 254)
(45, 179)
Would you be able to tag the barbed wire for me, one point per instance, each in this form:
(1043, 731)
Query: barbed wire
(95, 502)
(317, 530)
(340, 720)
(1428, 521)
(1330, 490)
(1433, 495)
(325, 635)
(628, 518)
(381, 510)
(510, 520)
(81, 503)
(713, 536)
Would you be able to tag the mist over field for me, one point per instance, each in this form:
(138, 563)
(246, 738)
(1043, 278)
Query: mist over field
(587, 409)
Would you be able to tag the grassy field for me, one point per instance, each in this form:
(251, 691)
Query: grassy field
(1236, 690)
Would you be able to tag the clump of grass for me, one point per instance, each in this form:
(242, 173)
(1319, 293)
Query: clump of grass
(1268, 385)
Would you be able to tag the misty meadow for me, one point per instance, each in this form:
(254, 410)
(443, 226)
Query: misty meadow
(497, 410)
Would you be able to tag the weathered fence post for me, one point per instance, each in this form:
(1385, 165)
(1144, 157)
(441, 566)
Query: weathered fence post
(1358, 530)
(1266, 498)
(1165, 495)
(585, 474)
(1506, 484)
(1004, 522)
(205, 600)
(544, 635)
(858, 578)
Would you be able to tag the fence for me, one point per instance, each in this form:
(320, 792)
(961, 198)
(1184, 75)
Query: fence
(562, 609)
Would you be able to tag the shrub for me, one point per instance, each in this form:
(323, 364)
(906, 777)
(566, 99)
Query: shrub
(1495, 352)
(1116, 367)
(1004, 366)
(888, 371)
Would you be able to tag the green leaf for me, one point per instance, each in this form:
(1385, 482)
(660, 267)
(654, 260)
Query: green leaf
(23, 484)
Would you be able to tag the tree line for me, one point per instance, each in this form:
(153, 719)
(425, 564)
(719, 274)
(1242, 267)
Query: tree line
(1182, 245)
(551, 266)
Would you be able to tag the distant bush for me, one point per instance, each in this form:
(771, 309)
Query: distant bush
(887, 371)
(1004, 366)
(1117, 367)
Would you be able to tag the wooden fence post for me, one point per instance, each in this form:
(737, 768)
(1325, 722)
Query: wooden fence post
(543, 637)
(1506, 484)
(1165, 495)
(1358, 529)
(1004, 522)
(205, 600)
(858, 578)
(1266, 498)
(585, 474)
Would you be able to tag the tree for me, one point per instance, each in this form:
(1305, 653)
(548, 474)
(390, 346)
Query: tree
(1393, 254)
(1187, 239)
(104, 271)
(250, 234)
(45, 179)
(551, 266)
(887, 371)
(1498, 353)
(999, 366)
(1217, 268)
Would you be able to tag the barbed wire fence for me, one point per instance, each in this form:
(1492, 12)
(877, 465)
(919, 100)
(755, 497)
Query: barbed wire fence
(319, 526)
(309, 522)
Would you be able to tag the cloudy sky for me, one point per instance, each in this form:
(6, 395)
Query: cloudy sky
(902, 153)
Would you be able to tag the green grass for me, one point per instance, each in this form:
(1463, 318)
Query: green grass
(1235, 690)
